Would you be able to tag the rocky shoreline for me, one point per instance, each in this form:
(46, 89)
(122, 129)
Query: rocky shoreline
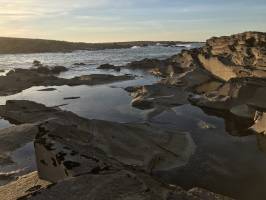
(20, 79)
(91, 158)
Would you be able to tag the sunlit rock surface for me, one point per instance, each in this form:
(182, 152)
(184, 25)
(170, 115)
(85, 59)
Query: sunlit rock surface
(240, 55)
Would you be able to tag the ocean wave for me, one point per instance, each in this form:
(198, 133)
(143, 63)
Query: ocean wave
(183, 45)
(135, 47)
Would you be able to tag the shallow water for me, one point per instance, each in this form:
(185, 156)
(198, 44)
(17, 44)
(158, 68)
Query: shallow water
(105, 102)
(223, 163)
(229, 165)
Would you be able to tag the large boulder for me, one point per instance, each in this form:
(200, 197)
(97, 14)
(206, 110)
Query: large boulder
(65, 150)
(68, 145)
(240, 55)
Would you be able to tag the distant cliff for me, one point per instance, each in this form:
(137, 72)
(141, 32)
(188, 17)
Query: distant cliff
(21, 45)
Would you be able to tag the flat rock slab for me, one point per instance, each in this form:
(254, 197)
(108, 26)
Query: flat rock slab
(65, 150)
(71, 145)
(119, 185)
(70, 98)
(20, 79)
(47, 89)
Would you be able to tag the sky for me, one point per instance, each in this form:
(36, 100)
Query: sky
(130, 20)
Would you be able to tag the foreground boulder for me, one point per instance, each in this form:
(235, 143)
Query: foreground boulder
(61, 150)
(119, 185)
(78, 145)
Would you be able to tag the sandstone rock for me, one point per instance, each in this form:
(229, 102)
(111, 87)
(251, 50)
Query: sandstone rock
(24, 186)
(240, 95)
(240, 55)
(260, 123)
(245, 49)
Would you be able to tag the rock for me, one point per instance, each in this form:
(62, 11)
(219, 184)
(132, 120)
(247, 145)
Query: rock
(187, 59)
(138, 145)
(37, 63)
(96, 79)
(155, 66)
(68, 98)
(261, 142)
(235, 95)
(47, 89)
(24, 186)
(145, 64)
(150, 96)
(260, 123)
(109, 67)
(132, 89)
(49, 70)
(245, 49)
(58, 69)
(205, 125)
(243, 111)
(217, 68)
(20, 79)
(240, 55)
(206, 195)
(136, 185)
(79, 64)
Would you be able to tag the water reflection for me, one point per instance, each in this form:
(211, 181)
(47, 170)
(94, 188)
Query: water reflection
(4, 123)
(104, 102)
(234, 166)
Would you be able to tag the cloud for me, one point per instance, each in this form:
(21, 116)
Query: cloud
(101, 19)
(33, 9)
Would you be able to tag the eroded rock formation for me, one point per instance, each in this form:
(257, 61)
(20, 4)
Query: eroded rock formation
(226, 77)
